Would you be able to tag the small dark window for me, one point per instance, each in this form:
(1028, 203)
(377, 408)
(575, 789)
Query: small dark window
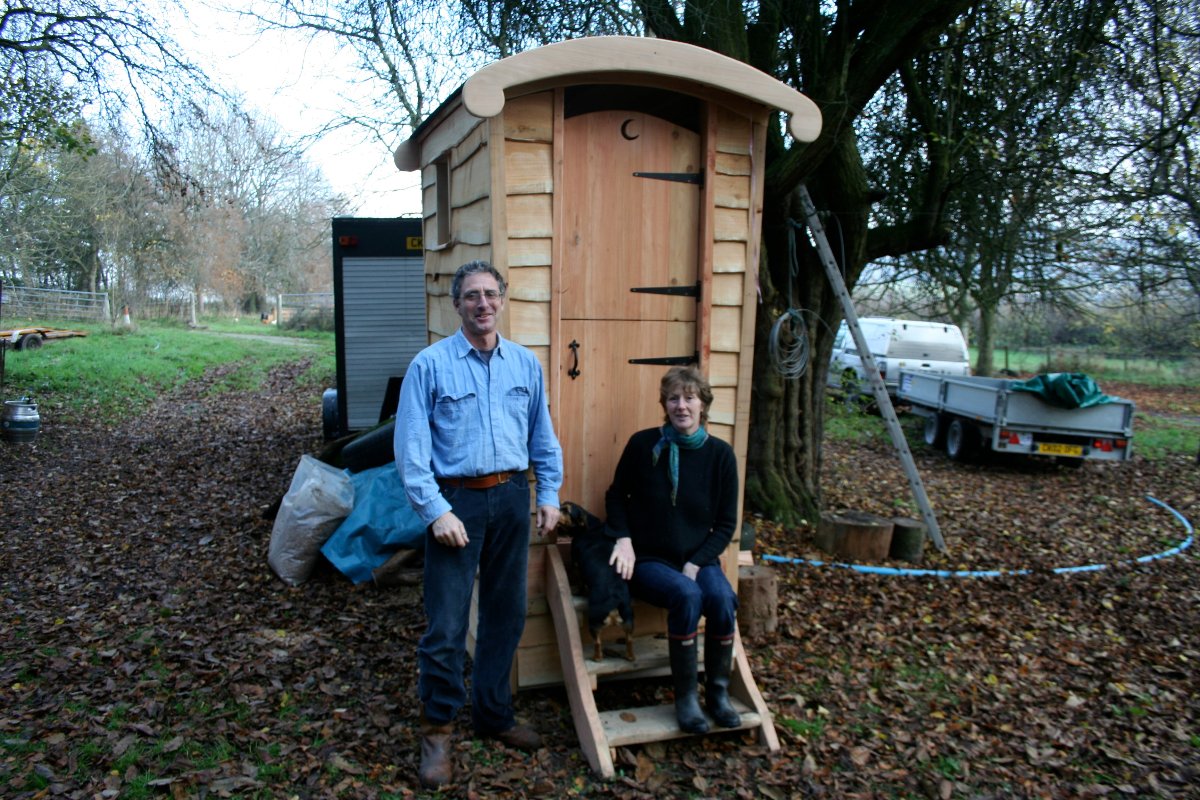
(679, 109)
(442, 190)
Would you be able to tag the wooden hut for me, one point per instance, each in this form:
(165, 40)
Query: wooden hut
(617, 183)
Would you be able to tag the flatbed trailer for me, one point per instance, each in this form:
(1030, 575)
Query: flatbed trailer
(32, 338)
(965, 414)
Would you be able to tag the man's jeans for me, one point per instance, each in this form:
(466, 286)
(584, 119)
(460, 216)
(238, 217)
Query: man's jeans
(497, 523)
(686, 600)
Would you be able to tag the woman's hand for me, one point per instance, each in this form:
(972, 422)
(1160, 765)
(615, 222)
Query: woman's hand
(623, 558)
(690, 571)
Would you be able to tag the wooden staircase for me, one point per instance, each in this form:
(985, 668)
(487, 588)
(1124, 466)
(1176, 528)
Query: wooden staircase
(601, 732)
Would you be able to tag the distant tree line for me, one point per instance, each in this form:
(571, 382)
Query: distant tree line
(1118, 321)
(122, 169)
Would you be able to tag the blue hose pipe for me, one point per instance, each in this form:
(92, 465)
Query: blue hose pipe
(996, 573)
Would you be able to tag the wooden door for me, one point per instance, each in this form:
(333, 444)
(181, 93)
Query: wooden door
(631, 203)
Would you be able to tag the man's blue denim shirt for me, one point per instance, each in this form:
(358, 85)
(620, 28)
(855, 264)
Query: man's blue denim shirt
(460, 417)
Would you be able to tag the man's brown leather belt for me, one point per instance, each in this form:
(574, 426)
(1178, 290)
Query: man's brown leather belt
(479, 482)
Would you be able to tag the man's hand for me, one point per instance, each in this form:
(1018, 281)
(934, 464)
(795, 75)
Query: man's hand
(547, 519)
(623, 558)
(449, 530)
(690, 570)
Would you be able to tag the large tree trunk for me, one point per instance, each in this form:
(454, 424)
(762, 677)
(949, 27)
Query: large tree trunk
(782, 465)
(787, 415)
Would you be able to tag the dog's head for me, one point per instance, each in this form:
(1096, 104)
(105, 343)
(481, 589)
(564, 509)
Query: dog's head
(576, 520)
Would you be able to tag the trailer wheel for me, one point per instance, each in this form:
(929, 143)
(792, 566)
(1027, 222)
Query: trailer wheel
(935, 430)
(30, 341)
(961, 440)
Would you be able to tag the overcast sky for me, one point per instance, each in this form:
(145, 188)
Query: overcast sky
(295, 83)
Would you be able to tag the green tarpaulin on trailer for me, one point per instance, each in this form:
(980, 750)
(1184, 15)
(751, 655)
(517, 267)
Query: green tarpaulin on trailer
(1063, 389)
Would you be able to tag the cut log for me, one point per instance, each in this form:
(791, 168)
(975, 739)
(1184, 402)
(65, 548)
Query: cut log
(758, 600)
(908, 540)
(402, 569)
(855, 535)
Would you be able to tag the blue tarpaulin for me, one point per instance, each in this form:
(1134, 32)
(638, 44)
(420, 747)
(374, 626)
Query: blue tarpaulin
(381, 524)
(1063, 389)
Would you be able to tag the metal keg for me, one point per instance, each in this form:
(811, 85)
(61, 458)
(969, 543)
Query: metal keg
(21, 422)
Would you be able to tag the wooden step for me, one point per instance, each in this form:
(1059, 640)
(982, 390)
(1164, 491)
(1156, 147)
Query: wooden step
(600, 733)
(651, 654)
(626, 726)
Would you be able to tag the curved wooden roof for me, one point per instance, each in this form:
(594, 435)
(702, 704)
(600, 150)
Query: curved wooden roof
(483, 93)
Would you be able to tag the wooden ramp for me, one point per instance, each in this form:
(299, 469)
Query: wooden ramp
(600, 733)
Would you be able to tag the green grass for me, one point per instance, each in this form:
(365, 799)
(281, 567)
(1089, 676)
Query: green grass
(249, 325)
(948, 767)
(804, 728)
(845, 424)
(112, 371)
(1098, 364)
(1158, 437)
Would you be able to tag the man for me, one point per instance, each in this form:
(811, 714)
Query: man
(473, 417)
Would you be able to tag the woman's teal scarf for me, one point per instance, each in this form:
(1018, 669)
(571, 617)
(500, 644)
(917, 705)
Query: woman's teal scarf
(676, 440)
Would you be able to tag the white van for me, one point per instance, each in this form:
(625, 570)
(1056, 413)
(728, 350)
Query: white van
(896, 344)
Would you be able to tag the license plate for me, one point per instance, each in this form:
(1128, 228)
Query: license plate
(1055, 449)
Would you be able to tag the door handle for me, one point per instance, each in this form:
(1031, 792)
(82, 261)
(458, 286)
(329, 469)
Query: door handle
(573, 372)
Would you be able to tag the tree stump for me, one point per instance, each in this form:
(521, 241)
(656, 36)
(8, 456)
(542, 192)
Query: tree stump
(908, 540)
(758, 600)
(855, 535)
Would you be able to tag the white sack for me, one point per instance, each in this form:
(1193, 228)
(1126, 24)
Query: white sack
(319, 498)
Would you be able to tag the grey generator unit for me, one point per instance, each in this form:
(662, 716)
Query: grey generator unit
(379, 316)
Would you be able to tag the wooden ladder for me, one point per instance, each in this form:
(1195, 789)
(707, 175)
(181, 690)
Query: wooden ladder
(600, 733)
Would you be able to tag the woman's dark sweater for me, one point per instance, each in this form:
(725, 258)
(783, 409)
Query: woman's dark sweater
(699, 526)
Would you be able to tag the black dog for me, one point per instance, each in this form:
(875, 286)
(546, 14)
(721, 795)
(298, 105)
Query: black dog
(608, 593)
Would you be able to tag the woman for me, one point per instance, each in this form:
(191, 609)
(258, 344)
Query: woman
(672, 508)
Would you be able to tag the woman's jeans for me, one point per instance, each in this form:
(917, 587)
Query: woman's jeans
(497, 523)
(686, 600)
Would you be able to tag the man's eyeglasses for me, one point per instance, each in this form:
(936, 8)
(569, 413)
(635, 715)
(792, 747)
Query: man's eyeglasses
(475, 295)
